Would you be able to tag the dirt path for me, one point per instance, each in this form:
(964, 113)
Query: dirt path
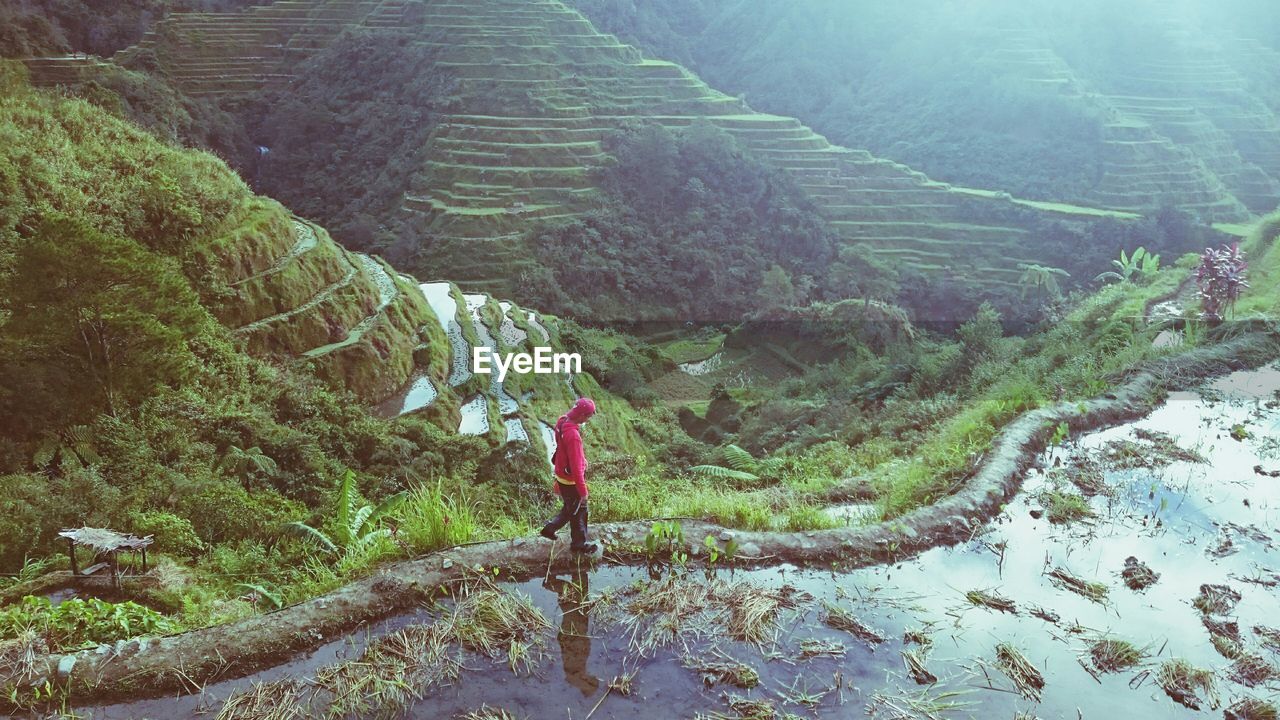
(151, 667)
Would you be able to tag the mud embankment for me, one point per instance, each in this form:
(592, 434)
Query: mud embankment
(183, 662)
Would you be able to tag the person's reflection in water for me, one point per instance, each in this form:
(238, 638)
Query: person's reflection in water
(575, 642)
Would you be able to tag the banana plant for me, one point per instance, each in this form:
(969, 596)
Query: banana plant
(1041, 278)
(1130, 267)
(738, 465)
(355, 527)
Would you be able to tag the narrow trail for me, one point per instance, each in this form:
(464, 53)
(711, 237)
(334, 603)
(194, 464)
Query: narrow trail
(387, 294)
(307, 241)
(316, 300)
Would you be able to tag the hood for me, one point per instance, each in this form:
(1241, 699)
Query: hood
(581, 410)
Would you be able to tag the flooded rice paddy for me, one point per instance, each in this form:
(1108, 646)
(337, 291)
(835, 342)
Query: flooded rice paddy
(1134, 576)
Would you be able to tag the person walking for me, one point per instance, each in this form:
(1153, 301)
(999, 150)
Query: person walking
(570, 465)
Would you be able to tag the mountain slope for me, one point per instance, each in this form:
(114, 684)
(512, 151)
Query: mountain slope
(175, 349)
(538, 88)
(1130, 105)
(252, 274)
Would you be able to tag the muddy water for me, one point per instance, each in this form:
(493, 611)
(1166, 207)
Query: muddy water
(515, 430)
(441, 301)
(512, 335)
(445, 307)
(1175, 517)
(506, 403)
(475, 416)
(704, 367)
(417, 394)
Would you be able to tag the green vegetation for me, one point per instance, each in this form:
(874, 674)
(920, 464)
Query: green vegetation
(182, 358)
(55, 27)
(348, 133)
(355, 526)
(1186, 683)
(128, 405)
(1261, 301)
(1063, 507)
(1111, 655)
(1098, 104)
(1128, 268)
(77, 622)
(695, 229)
(741, 467)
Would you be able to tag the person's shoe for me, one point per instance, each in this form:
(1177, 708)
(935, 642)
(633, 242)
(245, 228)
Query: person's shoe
(587, 549)
(548, 534)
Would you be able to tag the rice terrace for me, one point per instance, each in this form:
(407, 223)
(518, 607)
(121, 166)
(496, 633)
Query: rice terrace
(589, 359)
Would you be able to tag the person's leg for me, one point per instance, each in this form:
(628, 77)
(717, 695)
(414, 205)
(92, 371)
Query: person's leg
(578, 526)
(569, 504)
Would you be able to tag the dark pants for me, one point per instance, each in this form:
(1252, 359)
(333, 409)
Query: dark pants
(573, 513)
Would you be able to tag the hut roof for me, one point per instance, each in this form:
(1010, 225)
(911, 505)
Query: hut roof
(104, 540)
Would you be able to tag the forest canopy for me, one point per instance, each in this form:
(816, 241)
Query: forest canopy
(694, 228)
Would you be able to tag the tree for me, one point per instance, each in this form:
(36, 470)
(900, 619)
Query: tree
(981, 334)
(248, 465)
(355, 528)
(93, 313)
(1041, 278)
(858, 272)
(777, 291)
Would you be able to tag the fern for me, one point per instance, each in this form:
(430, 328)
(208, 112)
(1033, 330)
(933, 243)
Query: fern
(737, 458)
(724, 473)
(738, 465)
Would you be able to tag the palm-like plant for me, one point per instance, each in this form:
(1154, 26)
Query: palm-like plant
(356, 527)
(1140, 264)
(1041, 278)
(248, 464)
(738, 465)
(72, 448)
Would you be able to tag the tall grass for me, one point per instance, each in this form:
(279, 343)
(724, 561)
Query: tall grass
(430, 520)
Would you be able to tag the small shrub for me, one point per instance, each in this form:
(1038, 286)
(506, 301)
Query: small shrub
(173, 535)
(79, 621)
(1221, 279)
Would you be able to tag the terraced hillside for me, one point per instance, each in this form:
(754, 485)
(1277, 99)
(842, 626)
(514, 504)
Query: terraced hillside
(1194, 96)
(290, 292)
(1181, 125)
(495, 168)
(1132, 106)
(539, 89)
(1154, 151)
(518, 408)
(238, 52)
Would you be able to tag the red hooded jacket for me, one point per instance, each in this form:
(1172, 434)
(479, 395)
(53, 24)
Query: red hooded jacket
(570, 460)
